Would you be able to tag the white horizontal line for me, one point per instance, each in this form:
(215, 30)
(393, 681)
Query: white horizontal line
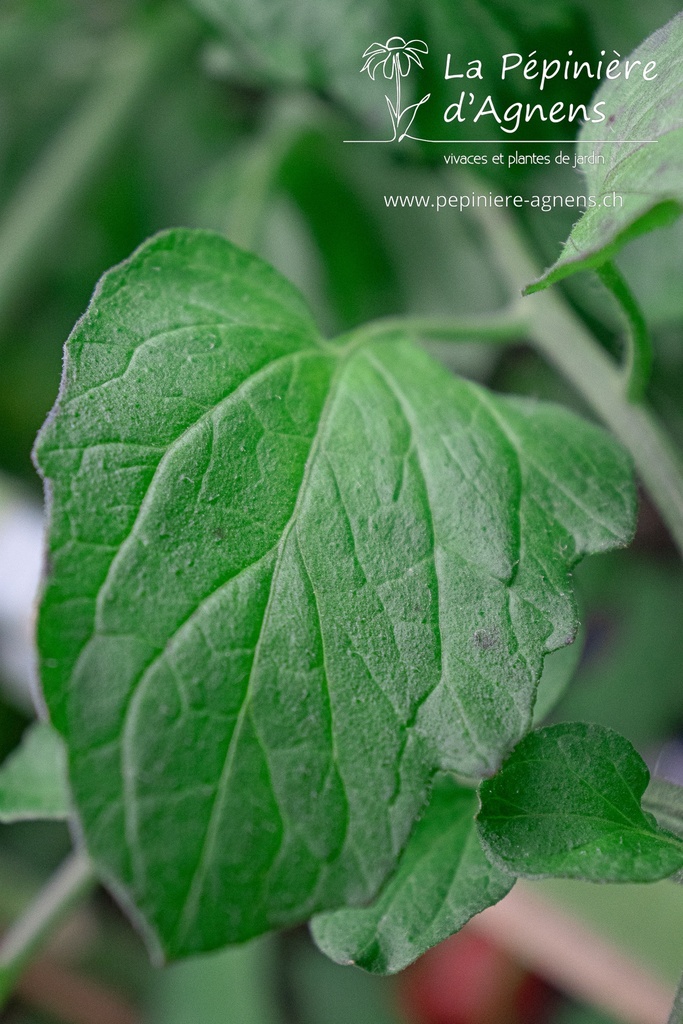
(499, 142)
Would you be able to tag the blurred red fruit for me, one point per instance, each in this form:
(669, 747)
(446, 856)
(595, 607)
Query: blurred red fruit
(469, 980)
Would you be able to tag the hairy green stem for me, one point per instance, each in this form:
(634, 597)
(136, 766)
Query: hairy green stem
(73, 881)
(289, 117)
(505, 326)
(638, 361)
(47, 193)
(560, 336)
(256, 176)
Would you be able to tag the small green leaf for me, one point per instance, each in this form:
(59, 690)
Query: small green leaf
(442, 880)
(33, 779)
(566, 804)
(289, 580)
(646, 174)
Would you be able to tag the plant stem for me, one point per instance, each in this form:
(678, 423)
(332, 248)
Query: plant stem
(256, 177)
(638, 362)
(52, 187)
(561, 337)
(505, 326)
(676, 1016)
(285, 122)
(72, 882)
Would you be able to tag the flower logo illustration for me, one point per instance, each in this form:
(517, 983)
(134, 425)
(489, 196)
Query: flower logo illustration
(396, 58)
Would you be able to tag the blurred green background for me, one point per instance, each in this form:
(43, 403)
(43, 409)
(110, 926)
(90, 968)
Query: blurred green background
(120, 118)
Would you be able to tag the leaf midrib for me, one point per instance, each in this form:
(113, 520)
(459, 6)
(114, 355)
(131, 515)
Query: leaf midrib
(404, 405)
(316, 347)
(560, 815)
(189, 908)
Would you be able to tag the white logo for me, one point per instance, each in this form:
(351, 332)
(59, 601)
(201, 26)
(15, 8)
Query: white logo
(396, 57)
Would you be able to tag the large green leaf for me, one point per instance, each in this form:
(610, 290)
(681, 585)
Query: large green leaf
(33, 781)
(567, 804)
(289, 580)
(442, 880)
(642, 165)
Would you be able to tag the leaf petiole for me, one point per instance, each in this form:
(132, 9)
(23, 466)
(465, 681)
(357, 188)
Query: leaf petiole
(72, 883)
(505, 326)
(638, 361)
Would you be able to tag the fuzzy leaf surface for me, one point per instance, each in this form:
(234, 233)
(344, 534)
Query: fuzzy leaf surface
(442, 880)
(289, 580)
(646, 174)
(33, 779)
(567, 804)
